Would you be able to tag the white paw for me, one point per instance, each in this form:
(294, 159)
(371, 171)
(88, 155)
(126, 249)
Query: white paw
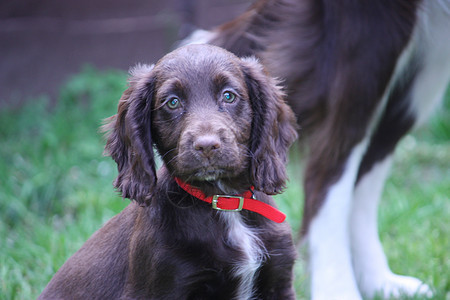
(397, 285)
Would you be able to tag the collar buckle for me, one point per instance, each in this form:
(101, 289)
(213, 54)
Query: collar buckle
(215, 201)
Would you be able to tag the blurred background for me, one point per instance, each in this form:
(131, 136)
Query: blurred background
(63, 68)
(43, 42)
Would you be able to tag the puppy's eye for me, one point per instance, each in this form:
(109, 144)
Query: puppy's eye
(173, 103)
(228, 97)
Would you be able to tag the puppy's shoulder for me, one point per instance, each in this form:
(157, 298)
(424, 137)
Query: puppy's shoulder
(100, 262)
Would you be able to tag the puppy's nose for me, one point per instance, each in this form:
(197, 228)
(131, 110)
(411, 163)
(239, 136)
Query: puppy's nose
(207, 144)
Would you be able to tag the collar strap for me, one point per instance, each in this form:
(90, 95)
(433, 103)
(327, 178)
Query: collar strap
(235, 202)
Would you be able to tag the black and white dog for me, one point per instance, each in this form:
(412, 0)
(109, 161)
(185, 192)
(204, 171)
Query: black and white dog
(359, 75)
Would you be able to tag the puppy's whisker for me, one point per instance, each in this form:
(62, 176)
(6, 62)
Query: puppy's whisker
(171, 160)
(168, 152)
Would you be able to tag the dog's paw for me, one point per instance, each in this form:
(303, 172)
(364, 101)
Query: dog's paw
(394, 286)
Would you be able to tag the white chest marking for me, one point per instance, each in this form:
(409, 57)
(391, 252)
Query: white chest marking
(244, 238)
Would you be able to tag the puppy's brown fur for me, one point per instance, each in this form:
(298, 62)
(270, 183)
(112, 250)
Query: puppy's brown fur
(167, 244)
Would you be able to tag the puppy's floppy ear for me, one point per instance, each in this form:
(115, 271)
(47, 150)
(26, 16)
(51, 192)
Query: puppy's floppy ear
(273, 129)
(129, 139)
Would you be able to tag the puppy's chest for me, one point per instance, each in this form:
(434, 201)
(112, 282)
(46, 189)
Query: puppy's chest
(245, 240)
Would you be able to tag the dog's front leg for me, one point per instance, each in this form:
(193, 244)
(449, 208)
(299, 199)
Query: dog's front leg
(332, 275)
(370, 263)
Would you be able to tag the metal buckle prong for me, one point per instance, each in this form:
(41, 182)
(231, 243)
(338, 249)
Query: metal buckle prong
(215, 200)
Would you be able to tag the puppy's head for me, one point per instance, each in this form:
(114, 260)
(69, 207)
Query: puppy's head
(211, 116)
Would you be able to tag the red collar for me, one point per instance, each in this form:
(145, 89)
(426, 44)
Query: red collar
(235, 203)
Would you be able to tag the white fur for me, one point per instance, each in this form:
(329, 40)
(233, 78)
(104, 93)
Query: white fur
(199, 36)
(331, 236)
(245, 238)
(368, 257)
(430, 44)
(344, 242)
(433, 43)
(329, 241)
(370, 264)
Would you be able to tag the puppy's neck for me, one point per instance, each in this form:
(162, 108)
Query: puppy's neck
(222, 186)
(228, 186)
(225, 189)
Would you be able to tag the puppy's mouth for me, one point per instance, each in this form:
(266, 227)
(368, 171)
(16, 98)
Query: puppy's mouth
(208, 174)
(202, 164)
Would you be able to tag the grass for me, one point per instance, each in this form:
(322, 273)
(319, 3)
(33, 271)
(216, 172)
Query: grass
(55, 190)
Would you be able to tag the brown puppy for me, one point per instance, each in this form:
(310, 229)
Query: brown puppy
(220, 124)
